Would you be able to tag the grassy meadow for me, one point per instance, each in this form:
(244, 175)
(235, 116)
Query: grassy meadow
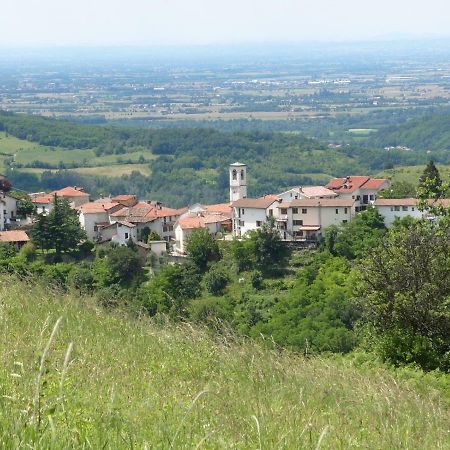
(411, 174)
(75, 376)
(26, 152)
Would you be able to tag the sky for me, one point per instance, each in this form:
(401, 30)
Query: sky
(25, 23)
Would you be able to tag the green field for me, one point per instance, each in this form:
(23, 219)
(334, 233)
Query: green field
(411, 174)
(102, 380)
(26, 152)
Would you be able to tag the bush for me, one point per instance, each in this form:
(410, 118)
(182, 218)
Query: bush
(216, 281)
(28, 251)
(257, 280)
(82, 279)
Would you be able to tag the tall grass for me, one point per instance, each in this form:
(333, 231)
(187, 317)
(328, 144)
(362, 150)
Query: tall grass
(101, 380)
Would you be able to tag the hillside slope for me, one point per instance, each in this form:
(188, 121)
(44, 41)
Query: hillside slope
(134, 384)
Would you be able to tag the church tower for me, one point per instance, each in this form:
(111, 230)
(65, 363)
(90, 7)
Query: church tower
(238, 181)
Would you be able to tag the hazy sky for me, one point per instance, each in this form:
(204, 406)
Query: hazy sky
(112, 22)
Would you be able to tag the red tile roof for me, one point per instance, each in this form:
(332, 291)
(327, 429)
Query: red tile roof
(14, 236)
(43, 199)
(224, 208)
(71, 191)
(187, 223)
(97, 207)
(395, 202)
(350, 184)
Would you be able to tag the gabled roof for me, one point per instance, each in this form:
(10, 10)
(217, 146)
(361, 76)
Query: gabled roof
(97, 207)
(316, 202)
(312, 191)
(352, 183)
(127, 224)
(14, 236)
(71, 191)
(43, 199)
(123, 197)
(201, 221)
(223, 208)
(395, 202)
(257, 203)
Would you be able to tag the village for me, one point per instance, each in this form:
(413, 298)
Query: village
(300, 214)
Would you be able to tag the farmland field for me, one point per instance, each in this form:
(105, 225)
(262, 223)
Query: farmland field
(411, 174)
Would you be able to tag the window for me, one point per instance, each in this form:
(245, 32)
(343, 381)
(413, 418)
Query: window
(258, 223)
(396, 208)
(242, 211)
(372, 197)
(126, 235)
(283, 210)
(304, 211)
(344, 221)
(241, 223)
(358, 197)
(392, 208)
(404, 208)
(270, 212)
(412, 208)
(294, 210)
(337, 210)
(234, 174)
(95, 228)
(297, 223)
(345, 210)
(353, 197)
(242, 174)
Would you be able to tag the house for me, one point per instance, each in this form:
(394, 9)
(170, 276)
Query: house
(94, 215)
(399, 208)
(16, 237)
(125, 231)
(124, 199)
(213, 222)
(252, 213)
(307, 192)
(362, 189)
(76, 196)
(305, 219)
(8, 210)
(151, 215)
(43, 203)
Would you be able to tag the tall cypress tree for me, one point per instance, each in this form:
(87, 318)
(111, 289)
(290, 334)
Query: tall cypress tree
(431, 180)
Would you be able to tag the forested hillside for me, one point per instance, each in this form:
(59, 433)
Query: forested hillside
(183, 165)
(431, 132)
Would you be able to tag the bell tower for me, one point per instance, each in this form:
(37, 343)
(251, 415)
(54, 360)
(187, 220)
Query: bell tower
(238, 181)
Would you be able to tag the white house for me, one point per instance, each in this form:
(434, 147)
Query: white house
(95, 215)
(8, 214)
(399, 208)
(305, 219)
(125, 232)
(44, 203)
(213, 222)
(252, 213)
(359, 188)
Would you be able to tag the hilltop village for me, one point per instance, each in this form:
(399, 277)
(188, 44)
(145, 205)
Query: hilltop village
(300, 214)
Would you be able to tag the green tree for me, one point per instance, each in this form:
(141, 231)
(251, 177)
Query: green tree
(216, 281)
(59, 230)
(153, 236)
(431, 180)
(405, 292)
(399, 189)
(202, 248)
(25, 207)
(353, 239)
(267, 248)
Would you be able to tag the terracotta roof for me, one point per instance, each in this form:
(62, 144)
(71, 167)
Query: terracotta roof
(314, 202)
(350, 184)
(97, 207)
(258, 203)
(71, 191)
(374, 183)
(395, 202)
(122, 197)
(224, 208)
(216, 218)
(44, 199)
(126, 223)
(187, 223)
(145, 210)
(14, 236)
